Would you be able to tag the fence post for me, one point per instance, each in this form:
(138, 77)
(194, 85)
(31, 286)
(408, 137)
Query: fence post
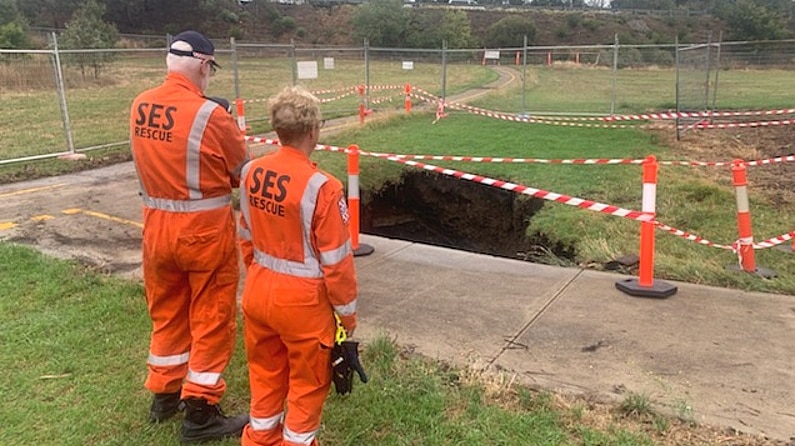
(241, 114)
(353, 203)
(293, 57)
(745, 242)
(645, 285)
(524, 77)
(61, 85)
(615, 75)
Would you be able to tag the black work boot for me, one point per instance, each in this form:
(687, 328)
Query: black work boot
(164, 406)
(205, 422)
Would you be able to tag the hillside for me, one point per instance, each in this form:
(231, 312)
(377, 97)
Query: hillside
(331, 25)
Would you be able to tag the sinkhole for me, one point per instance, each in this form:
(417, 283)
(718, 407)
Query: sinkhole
(435, 209)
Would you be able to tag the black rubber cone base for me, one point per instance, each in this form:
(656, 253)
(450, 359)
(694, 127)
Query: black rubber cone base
(363, 250)
(658, 289)
(762, 272)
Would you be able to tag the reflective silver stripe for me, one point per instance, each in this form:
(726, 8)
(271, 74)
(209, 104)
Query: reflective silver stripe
(308, 205)
(168, 360)
(301, 438)
(205, 204)
(298, 269)
(244, 233)
(203, 378)
(244, 204)
(347, 309)
(335, 256)
(353, 186)
(266, 424)
(192, 159)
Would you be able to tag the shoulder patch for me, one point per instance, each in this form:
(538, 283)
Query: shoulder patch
(344, 214)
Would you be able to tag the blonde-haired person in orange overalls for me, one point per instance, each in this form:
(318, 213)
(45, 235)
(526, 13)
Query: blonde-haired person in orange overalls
(296, 241)
(188, 153)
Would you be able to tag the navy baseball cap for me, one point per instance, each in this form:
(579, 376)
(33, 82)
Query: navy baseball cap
(198, 42)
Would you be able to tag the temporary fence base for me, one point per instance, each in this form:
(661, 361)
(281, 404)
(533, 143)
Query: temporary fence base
(73, 156)
(363, 250)
(760, 271)
(658, 288)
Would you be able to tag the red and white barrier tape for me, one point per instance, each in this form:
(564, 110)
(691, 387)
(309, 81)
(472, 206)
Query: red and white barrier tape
(581, 203)
(738, 125)
(337, 98)
(337, 90)
(576, 161)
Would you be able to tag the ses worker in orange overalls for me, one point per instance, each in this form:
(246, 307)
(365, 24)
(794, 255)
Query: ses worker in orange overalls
(188, 153)
(296, 241)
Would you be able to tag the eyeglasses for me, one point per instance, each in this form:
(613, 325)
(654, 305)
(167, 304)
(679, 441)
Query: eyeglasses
(321, 124)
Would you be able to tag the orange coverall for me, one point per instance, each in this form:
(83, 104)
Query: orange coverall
(188, 153)
(296, 241)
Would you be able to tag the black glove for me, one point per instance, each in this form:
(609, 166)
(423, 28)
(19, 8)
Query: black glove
(344, 361)
(222, 102)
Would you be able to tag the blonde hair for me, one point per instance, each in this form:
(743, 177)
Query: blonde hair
(294, 112)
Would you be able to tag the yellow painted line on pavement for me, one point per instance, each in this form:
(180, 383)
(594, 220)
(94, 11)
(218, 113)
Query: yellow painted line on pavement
(71, 211)
(31, 190)
(6, 225)
(42, 217)
(110, 218)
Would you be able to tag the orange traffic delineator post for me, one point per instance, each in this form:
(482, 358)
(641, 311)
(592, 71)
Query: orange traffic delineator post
(241, 116)
(353, 203)
(745, 242)
(361, 104)
(549, 58)
(517, 58)
(407, 90)
(645, 285)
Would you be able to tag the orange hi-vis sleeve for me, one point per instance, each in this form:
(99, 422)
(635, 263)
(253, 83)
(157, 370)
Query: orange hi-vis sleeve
(297, 219)
(187, 149)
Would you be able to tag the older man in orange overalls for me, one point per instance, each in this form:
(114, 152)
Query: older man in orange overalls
(188, 154)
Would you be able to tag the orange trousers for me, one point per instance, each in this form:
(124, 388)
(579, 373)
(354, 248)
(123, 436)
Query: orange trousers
(190, 265)
(289, 332)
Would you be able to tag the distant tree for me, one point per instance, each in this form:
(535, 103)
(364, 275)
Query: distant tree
(87, 30)
(456, 29)
(382, 22)
(52, 13)
(422, 28)
(510, 32)
(748, 20)
(13, 28)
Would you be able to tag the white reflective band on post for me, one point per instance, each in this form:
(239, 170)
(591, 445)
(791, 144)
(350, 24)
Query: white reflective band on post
(649, 197)
(741, 193)
(335, 256)
(203, 378)
(353, 186)
(347, 309)
(192, 157)
(168, 360)
(746, 240)
(310, 270)
(301, 438)
(206, 204)
(266, 424)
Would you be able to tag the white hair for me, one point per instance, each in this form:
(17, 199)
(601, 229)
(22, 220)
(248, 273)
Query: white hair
(182, 63)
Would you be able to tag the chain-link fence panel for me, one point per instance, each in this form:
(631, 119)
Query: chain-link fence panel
(31, 115)
(755, 75)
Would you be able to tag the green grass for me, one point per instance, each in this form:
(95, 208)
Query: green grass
(74, 352)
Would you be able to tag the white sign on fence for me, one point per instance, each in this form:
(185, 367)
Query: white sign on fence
(492, 55)
(408, 64)
(307, 69)
(328, 63)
